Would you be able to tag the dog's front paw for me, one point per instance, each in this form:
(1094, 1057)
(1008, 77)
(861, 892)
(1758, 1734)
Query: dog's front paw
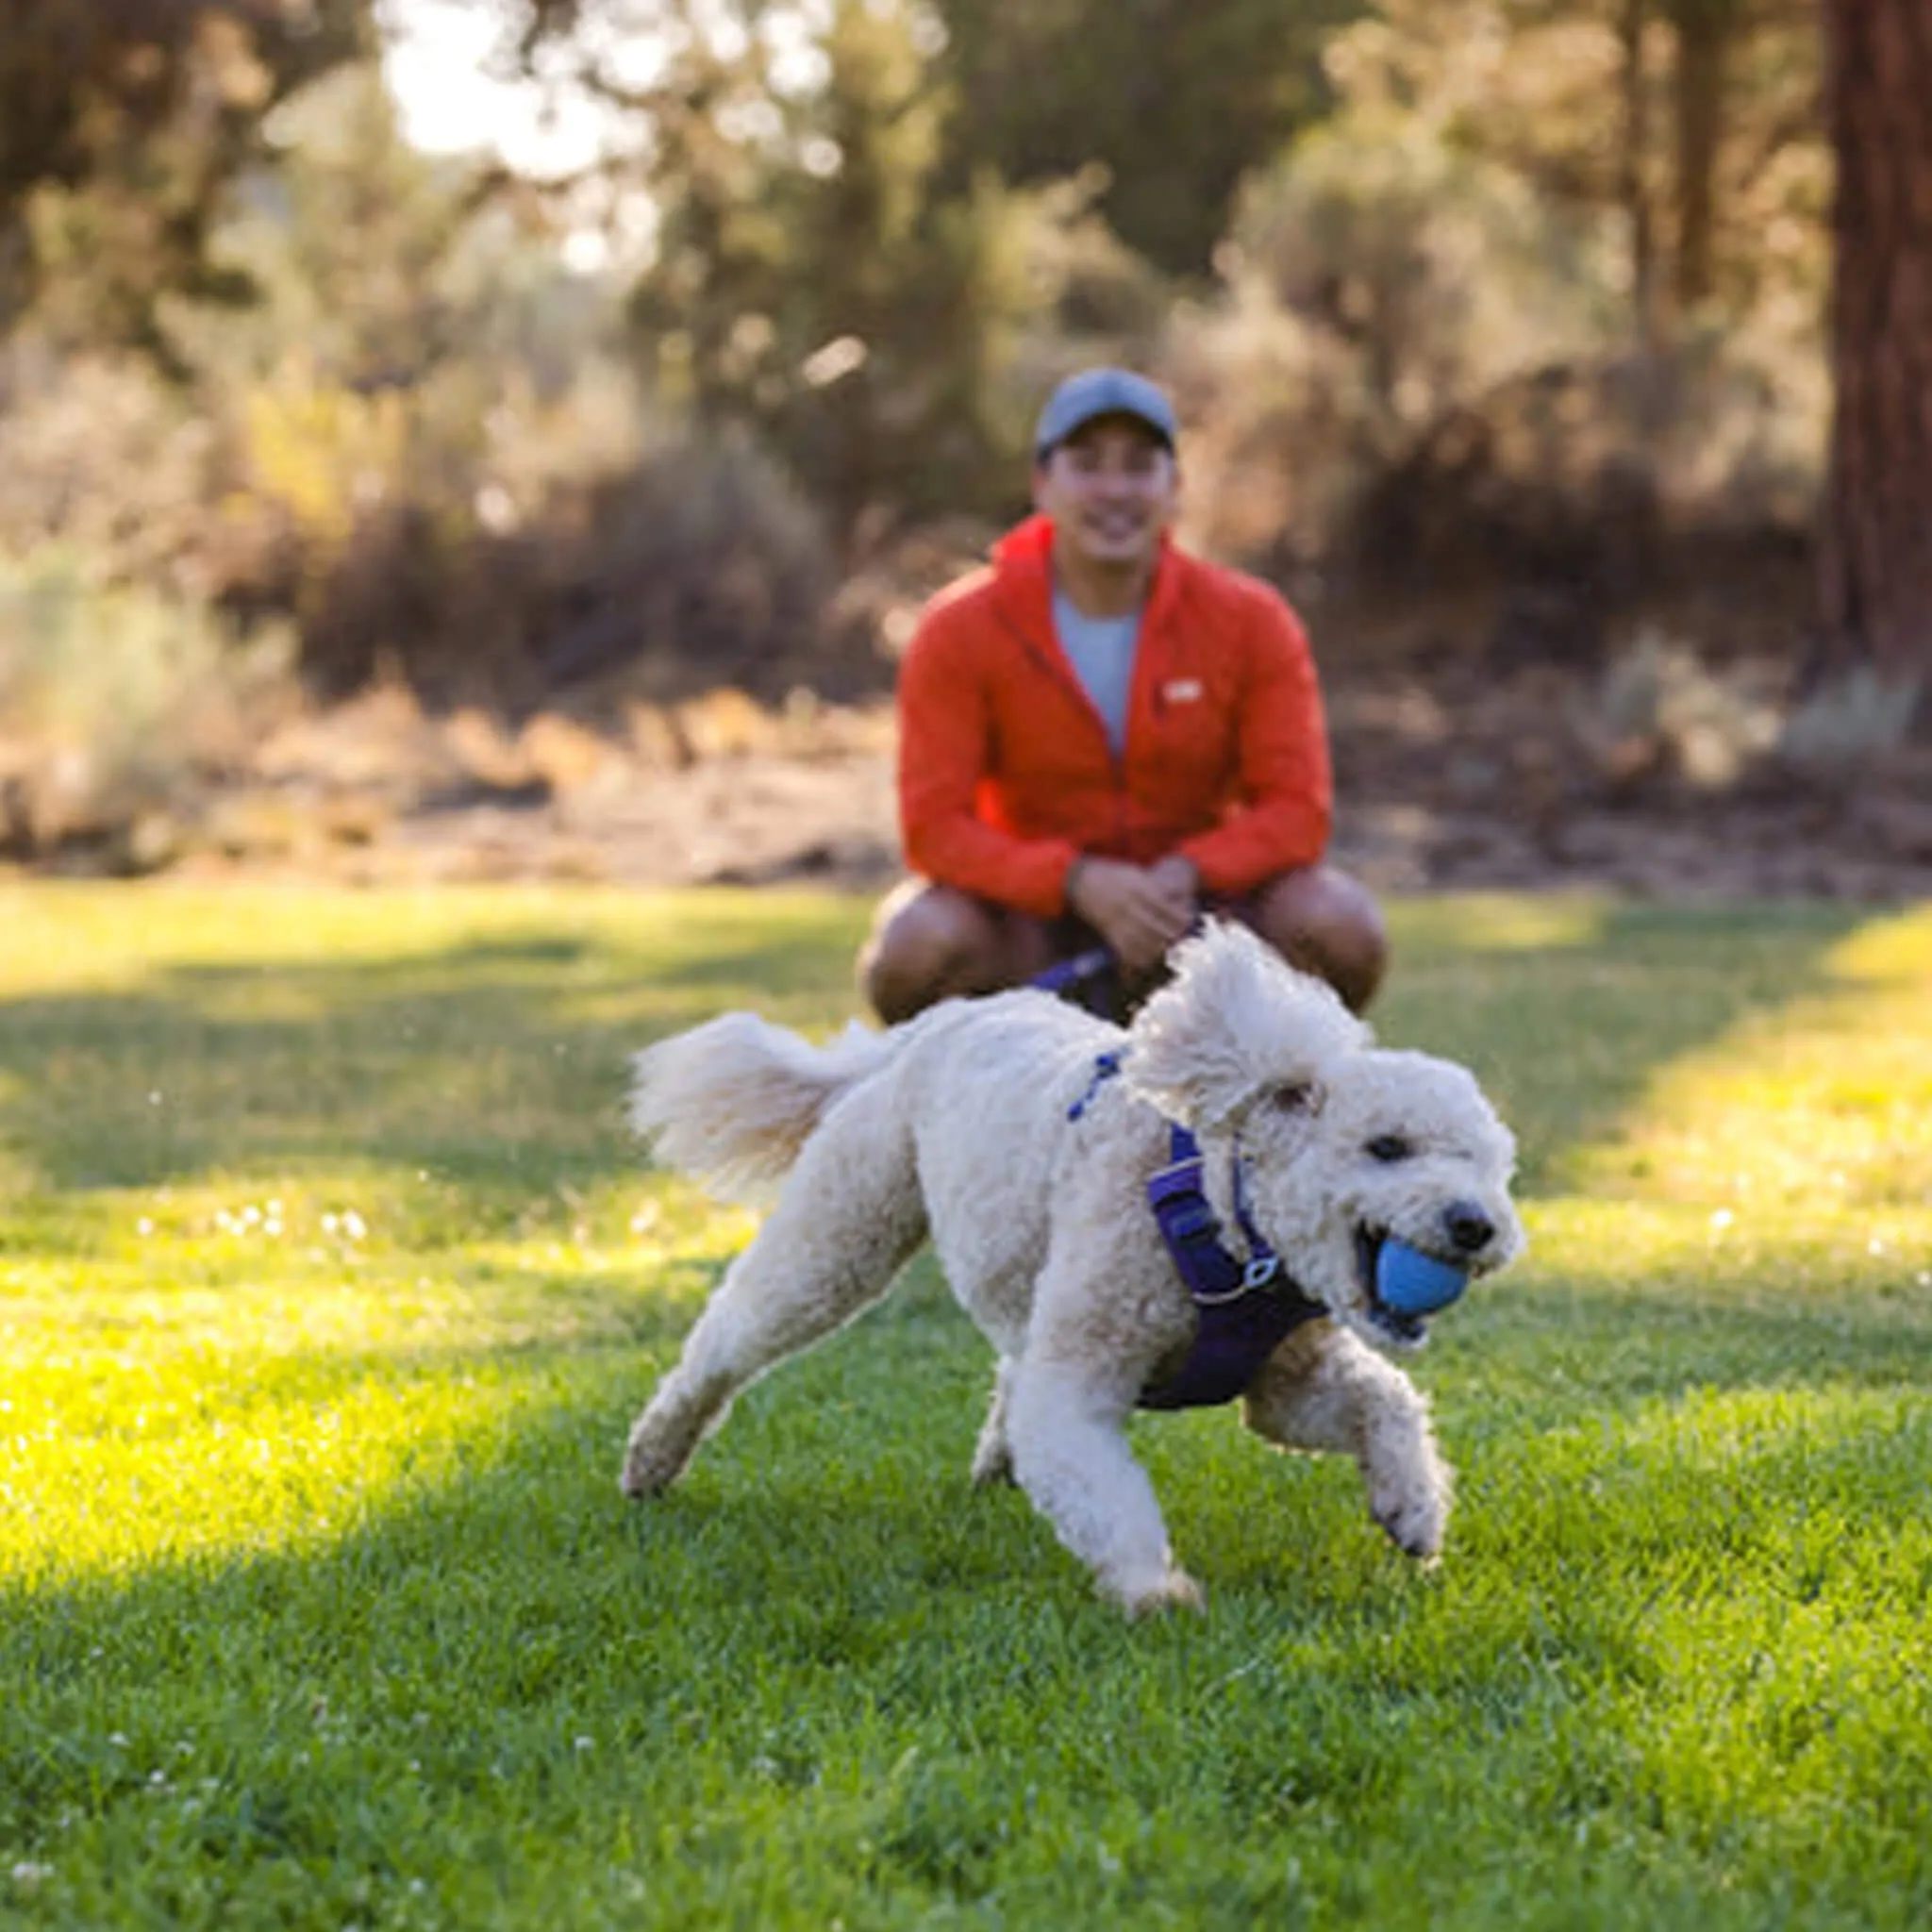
(651, 1464)
(1414, 1515)
(1174, 1589)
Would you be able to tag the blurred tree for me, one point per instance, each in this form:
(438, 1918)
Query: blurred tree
(369, 263)
(1177, 102)
(1634, 145)
(819, 276)
(1875, 558)
(1696, 121)
(1174, 102)
(1453, 306)
(121, 121)
(395, 401)
(1745, 87)
(1706, 32)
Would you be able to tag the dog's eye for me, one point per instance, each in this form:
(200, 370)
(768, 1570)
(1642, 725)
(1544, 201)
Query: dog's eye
(1389, 1147)
(1290, 1099)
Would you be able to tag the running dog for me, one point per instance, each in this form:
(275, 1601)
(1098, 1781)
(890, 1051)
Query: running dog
(1020, 1136)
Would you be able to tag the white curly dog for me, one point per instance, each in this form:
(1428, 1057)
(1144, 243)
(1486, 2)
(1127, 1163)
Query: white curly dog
(991, 1126)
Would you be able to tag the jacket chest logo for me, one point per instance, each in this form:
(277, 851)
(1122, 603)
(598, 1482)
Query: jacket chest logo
(1182, 691)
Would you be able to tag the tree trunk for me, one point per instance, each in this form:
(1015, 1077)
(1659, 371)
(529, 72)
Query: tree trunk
(1633, 171)
(1705, 29)
(1875, 548)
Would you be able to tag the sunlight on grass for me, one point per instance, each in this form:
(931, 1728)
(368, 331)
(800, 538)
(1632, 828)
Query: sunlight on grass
(234, 1390)
(1848, 1434)
(1494, 923)
(114, 1461)
(1781, 1250)
(1825, 1102)
(81, 937)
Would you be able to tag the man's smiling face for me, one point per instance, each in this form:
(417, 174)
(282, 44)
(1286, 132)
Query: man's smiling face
(1110, 489)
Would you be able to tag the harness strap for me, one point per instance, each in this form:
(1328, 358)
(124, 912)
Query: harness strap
(1064, 974)
(1105, 1066)
(1193, 1235)
(1090, 980)
(1243, 1309)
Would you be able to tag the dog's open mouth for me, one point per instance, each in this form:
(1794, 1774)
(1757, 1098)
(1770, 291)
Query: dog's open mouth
(1405, 1330)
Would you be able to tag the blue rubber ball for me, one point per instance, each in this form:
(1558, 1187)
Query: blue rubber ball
(1413, 1283)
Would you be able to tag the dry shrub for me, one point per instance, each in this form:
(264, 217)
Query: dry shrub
(1849, 727)
(1658, 713)
(114, 702)
(492, 553)
(1418, 372)
(700, 566)
(1271, 411)
(1663, 714)
(1614, 475)
(1374, 280)
(103, 457)
(421, 596)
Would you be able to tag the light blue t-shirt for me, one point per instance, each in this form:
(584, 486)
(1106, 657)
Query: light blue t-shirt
(1102, 651)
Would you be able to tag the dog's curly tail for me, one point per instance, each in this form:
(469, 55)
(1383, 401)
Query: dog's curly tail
(730, 1103)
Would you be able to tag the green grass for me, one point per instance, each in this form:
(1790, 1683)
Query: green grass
(328, 1286)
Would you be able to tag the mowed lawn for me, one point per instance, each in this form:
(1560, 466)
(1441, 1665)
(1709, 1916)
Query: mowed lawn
(329, 1284)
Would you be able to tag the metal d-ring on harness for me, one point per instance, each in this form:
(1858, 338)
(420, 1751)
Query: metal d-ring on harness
(1245, 1308)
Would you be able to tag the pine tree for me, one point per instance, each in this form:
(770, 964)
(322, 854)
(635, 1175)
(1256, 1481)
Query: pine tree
(1876, 555)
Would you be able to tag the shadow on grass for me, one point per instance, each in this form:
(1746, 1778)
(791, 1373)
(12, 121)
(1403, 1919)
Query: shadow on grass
(1609, 1349)
(502, 1659)
(498, 1063)
(1566, 1031)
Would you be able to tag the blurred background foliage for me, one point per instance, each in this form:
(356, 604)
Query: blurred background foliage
(1516, 298)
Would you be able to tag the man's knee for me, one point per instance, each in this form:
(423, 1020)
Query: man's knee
(928, 943)
(1328, 924)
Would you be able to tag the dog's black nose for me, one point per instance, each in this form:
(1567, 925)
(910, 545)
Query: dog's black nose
(1469, 1227)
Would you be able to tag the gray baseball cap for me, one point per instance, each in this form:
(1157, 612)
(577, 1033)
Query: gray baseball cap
(1104, 392)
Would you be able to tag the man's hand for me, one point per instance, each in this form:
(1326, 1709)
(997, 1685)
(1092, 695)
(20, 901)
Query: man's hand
(1180, 884)
(1139, 911)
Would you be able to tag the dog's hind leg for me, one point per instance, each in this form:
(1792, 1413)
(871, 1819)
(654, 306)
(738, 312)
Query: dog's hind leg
(849, 1217)
(1324, 1389)
(992, 1460)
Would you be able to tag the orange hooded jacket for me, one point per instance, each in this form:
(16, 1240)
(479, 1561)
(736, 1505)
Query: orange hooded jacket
(1005, 775)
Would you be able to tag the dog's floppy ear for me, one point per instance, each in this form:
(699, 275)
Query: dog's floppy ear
(1236, 1022)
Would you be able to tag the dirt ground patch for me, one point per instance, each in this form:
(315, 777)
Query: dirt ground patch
(1450, 775)
(1510, 741)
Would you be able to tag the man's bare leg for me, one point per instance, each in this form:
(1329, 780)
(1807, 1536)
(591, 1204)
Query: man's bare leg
(934, 943)
(1328, 924)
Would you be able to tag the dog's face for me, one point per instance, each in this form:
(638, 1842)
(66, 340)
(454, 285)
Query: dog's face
(1383, 1147)
(1342, 1145)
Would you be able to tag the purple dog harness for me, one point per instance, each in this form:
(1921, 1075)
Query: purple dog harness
(1244, 1308)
